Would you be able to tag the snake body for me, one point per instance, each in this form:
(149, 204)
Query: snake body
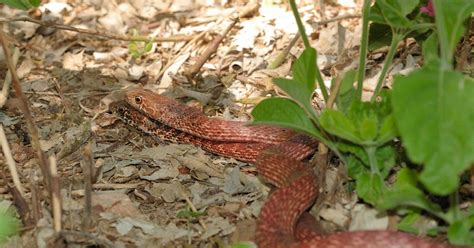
(278, 155)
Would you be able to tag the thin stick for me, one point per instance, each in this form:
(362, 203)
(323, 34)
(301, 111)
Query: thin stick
(87, 166)
(23, 105)
(338, 18)
(211, 49)
(176, 38)
(280, 58)
(56, 200)
(8, 78)
(10, 162)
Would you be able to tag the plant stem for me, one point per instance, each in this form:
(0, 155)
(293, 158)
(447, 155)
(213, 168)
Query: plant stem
(363, 47)
(299, 23)
(396, 38)
(454, 206)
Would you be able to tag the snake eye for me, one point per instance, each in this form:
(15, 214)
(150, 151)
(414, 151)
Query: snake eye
(138, 100)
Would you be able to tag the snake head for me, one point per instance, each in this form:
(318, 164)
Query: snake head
(136, 97)
(119, 109)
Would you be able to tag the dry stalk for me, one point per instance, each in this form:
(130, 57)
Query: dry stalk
(176, 38)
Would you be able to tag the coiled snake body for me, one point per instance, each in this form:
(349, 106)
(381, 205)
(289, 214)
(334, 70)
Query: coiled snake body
(278, 155)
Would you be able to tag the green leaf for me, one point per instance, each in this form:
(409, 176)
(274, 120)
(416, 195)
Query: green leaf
(450, 15)
(459, 233)
(189, 214)
(336, 123)
(376, 15)
(301, 87)
(434, 111)
(430, 49)
(304, 69)
(148, 47)
(358, 162)
(411, 223)
(370, 187)
(385, 156)
(355, 150)
(284, 112)
(388, 131)
(9, 224)
(395, 11)
(21, 4)
(380, 35)
(355, 167)
(368, 129)
(347, 92)
(405, 193)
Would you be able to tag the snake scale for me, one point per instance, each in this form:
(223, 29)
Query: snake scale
(278, 154)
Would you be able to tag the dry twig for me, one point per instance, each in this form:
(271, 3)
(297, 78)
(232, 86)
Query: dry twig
(7, 153)
(176, 38)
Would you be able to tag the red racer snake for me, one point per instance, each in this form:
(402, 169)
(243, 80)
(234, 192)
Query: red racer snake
(278, 155)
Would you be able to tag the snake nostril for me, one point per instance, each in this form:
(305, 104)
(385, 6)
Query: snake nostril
(138, 100)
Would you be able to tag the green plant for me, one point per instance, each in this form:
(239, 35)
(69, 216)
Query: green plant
(21, 4)
(431, 110)
(138, 48)
(9, 224)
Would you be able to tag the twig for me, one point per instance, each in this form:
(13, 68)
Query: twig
(212, 48)
(35, 199)
(280, 58)
(23, 105)
(22, 207)
(56, 196)
(8, 78)
(87, 166)
(10, 162)
(176, 38)
(338, 18)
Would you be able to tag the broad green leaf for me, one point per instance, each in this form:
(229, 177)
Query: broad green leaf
(459, 233)
(385, 156)
(301, 87)
(358, 162)
(375, 15)
(380, 35)
(388, 131)
(450, 15)
(347, 92)
(413, 222)
(21, 4)
(336, 123)
(355, 150)
(395, 11)
(284, 112)
(355, 167)
(405, 193)
(430, 49)
(368, 129)
(370, 187)
(434, 111)
(304, 69)
(9, 224)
